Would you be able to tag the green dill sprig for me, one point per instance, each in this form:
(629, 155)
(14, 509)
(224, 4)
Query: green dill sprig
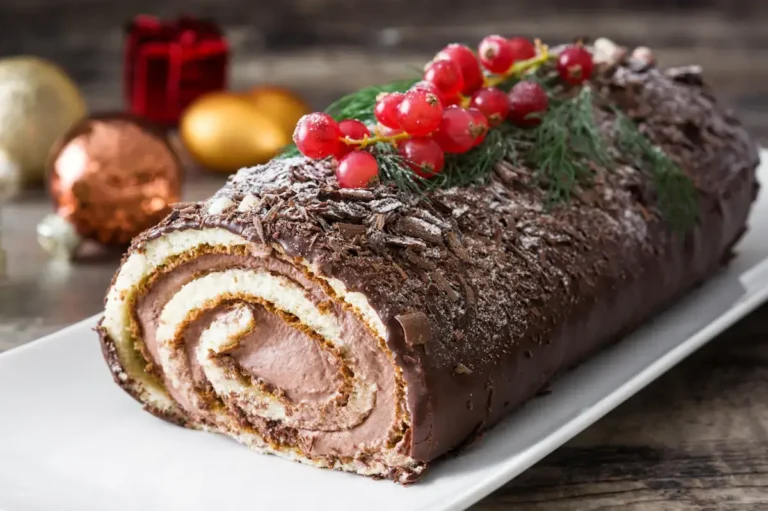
(474, 166)
(566, 145)
(676, 194)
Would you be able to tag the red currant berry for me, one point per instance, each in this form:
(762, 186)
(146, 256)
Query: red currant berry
(385, 110)
(419, 113)
(522, 49)
(357, 170)
(575, 65)
(465, 59)
(445, 75)
(481, 125)
(493, 103)
(526, 100)
(317, 135)
(495, 54)
(457, 131)
(354, 130)
(430, 87)
(424, 156)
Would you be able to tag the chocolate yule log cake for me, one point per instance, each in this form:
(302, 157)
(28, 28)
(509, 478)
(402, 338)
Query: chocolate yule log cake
(398, 282)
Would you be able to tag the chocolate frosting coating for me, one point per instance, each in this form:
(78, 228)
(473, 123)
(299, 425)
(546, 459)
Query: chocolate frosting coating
(486, 295)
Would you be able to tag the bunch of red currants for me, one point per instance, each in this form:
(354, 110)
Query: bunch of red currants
(449, 111)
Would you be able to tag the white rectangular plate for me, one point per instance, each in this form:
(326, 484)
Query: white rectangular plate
(70, 439)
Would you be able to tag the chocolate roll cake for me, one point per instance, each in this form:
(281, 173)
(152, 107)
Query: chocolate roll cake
(374, 330)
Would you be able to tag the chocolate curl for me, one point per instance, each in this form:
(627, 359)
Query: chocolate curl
(415, 327)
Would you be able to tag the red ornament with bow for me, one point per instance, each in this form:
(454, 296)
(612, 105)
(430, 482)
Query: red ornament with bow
(168, 64)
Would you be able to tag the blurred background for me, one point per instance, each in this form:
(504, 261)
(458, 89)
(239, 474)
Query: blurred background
(324, 48)
(317, 50)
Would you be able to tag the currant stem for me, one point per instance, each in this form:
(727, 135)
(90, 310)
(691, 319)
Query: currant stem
(365, 142)
(521, 67)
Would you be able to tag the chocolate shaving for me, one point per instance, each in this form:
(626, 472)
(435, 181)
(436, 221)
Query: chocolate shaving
(469, 294)
(385, 205)
(439, 279)
(356, 194)
(259, 228)
(456, 247)
(404, 241)
(273, 212)
(419, 261)
(403, 274)
(184, 205)
(351, 230)
(380, 220)
(415, 327)
(313, 240)
(432, 219)
(418, 228)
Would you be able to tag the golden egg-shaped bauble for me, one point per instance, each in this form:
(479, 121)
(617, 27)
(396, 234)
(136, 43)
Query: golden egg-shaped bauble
(280, 104)
(38, 104)
(225, 132)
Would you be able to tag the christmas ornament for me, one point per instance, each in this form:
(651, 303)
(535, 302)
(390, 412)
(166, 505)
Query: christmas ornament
(111, 177)
(225, 132)
(10, 183)
(169, 64)
(280, 105)
(38, 103)
(10, 177)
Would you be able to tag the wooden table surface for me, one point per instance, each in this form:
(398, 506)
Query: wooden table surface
(695, 439)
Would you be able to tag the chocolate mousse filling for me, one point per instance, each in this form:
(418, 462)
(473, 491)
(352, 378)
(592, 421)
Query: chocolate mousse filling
(283, 357)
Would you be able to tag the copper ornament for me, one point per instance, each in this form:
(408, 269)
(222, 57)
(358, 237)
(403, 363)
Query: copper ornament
(113, 176)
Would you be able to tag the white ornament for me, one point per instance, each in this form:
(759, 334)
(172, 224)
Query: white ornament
(58, 237)
(10, 177)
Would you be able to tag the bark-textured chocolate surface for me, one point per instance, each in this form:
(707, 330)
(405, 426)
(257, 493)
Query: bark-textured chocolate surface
(484, 292)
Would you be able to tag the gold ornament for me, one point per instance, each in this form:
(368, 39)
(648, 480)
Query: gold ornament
(224, 132)
(38, 103)
(279, 104)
